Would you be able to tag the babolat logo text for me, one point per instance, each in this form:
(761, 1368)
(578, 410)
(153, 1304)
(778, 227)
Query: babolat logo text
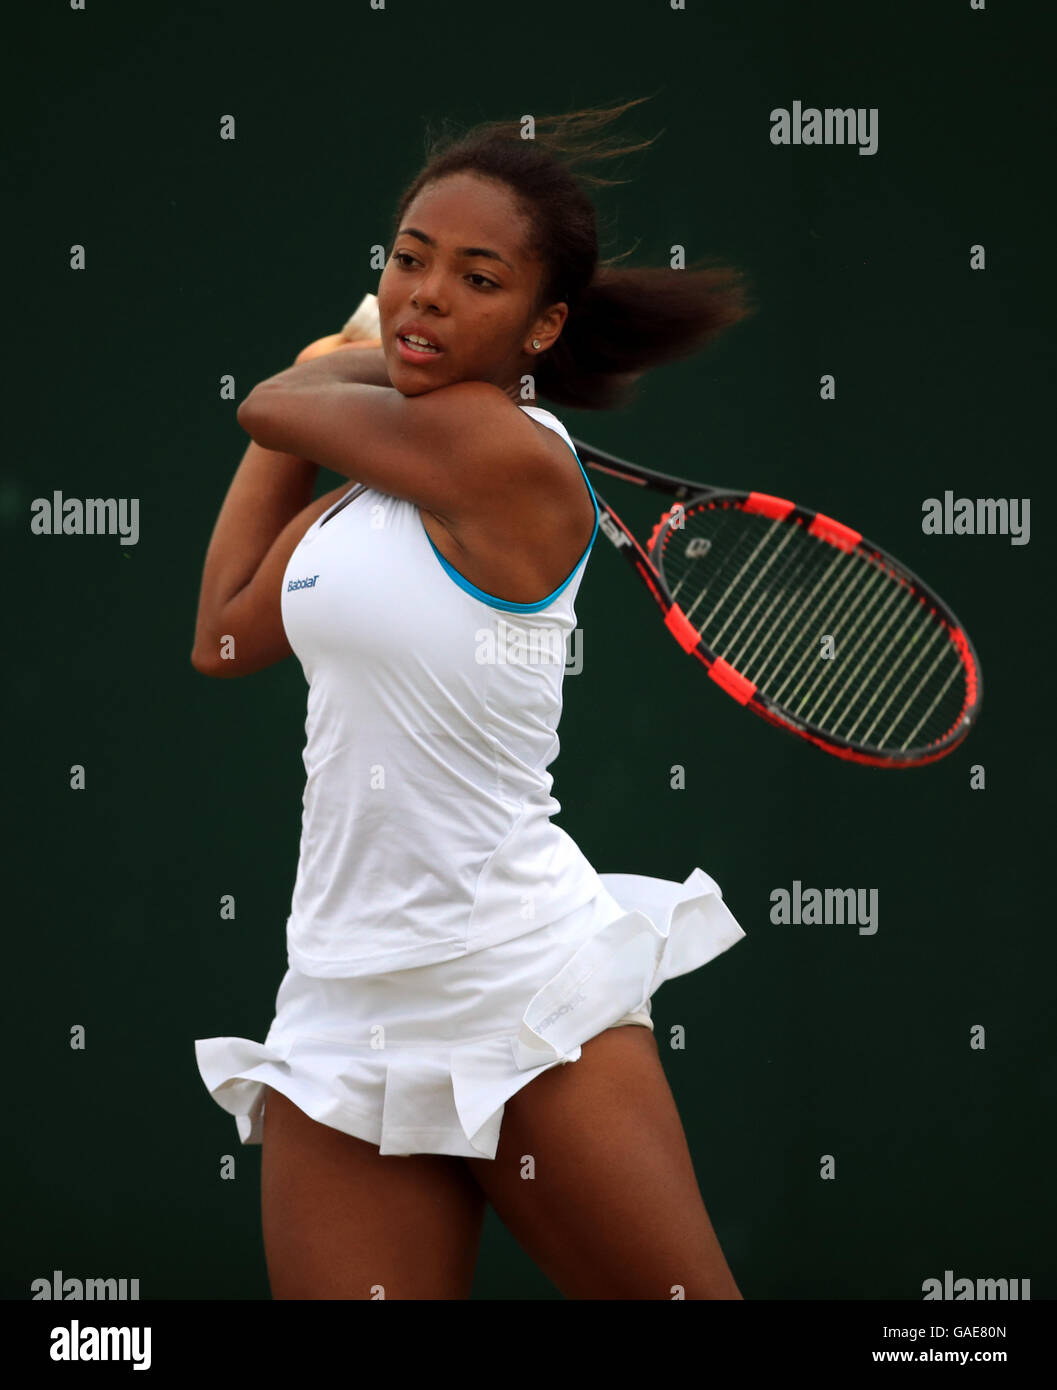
(810, 906)
(613, 531)
(1013, 1290)
(308, 583)
(807, 125)
(94, 516)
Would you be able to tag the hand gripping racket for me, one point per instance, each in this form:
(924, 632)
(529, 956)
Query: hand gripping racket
(796, 616)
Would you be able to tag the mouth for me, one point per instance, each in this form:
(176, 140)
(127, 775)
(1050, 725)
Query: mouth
(416, 351)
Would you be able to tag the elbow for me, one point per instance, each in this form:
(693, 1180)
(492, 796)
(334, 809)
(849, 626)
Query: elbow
(246, 414)
(255, 420)
(203, 651)
(223, 670)
(201, 665)
(206, 660)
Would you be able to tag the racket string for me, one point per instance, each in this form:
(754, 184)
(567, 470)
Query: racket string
(761, 571)
(783, 627)
(917, 661)
(713, 541)
(840, 592)
(744, 656)
(894, 600)
(939, 695)
(901, 603)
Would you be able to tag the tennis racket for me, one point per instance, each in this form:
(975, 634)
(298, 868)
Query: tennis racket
(794, 615)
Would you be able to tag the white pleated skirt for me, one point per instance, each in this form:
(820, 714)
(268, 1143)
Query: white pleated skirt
(424, 1060)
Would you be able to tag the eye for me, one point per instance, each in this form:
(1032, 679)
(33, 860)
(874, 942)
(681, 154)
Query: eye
(404, 258)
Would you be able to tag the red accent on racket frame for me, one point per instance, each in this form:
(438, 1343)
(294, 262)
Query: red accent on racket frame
(960, 640)
(681, 628)
(733, 682)
(653, 533)
(766, 505)
(834, 532)
(664, 517)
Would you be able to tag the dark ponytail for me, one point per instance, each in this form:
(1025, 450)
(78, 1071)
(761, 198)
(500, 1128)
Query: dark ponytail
(622, 320)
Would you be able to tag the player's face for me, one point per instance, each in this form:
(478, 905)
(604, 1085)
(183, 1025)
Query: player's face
(471, 287)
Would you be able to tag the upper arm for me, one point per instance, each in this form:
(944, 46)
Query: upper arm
(457, 451)
(252, 618)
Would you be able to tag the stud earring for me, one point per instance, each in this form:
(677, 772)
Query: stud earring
(535, 343)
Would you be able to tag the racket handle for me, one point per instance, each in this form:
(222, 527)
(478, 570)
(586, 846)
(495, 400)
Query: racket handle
(364, 322)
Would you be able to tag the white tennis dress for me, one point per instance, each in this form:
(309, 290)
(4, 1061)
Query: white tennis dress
(447, 942)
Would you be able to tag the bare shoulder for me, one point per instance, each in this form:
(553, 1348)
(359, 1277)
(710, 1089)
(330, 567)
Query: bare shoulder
(516, 459)
(521, 536)
(510, 456)
(482, 413)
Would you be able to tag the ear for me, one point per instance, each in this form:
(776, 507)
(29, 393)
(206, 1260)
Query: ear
(548, 326)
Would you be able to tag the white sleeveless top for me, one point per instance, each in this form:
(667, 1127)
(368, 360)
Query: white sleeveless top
(433, 710)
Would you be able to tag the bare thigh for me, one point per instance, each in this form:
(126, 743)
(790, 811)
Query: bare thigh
(342, 1221)
(609, 1206)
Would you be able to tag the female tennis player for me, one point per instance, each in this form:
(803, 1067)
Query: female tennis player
(466, 1013)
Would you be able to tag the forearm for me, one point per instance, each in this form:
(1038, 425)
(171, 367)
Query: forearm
(364, 366)
(268, 490)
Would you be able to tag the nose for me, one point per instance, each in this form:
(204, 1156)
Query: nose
(428, 295)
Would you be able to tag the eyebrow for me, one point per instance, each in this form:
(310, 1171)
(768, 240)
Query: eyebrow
(459, 250)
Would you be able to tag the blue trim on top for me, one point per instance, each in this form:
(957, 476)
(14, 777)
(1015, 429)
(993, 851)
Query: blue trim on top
(508, 605)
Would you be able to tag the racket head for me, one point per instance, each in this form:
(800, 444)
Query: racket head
(755, 584)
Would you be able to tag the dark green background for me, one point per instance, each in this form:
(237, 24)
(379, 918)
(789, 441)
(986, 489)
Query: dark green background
(208, 257)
